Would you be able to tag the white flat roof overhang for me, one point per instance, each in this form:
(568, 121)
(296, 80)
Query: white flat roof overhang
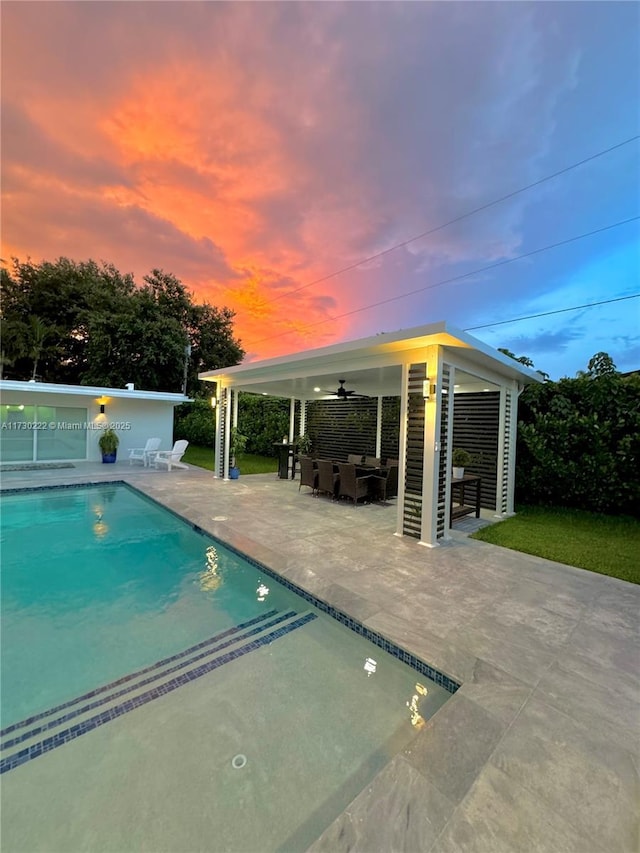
(25, 387)
(372, 366)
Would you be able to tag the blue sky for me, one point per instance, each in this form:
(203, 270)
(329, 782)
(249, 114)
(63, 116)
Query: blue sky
(253, 148)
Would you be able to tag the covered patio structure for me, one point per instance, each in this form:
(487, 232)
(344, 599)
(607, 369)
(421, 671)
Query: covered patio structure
(427, 368)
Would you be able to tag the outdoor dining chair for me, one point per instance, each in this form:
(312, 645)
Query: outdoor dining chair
(327, 479)
(352, 486)
(386, 485)
(308, 474)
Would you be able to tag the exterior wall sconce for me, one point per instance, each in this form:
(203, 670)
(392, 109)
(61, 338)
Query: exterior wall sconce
(102, 401)
(102, 408)
(428, 389)
(214, 402)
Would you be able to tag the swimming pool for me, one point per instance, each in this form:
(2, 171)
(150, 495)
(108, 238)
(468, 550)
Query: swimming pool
(161, 692)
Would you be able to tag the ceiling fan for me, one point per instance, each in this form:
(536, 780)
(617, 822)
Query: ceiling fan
(342, 393)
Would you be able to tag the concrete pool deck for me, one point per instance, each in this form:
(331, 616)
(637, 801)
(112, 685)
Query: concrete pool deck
(539, 750)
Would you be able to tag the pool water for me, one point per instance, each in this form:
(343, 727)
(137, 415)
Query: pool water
(160, 692)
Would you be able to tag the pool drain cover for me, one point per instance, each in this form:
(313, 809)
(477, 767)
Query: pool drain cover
(238, 761)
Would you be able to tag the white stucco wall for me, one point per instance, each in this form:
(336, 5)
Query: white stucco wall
(134, 420)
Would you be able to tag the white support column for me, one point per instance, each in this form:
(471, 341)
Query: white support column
(292, 420)
(218, 438)
(402, 449)
(507, 436)
(303, 417)
(431, 468)
(513, 439)
(228, 402)
(379, 429)
(292, 436)
(235, 407)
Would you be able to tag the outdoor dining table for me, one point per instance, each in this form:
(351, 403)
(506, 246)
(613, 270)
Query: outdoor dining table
(363, 470)
(286, 452)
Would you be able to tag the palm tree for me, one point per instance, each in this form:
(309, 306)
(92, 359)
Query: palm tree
(39, 334)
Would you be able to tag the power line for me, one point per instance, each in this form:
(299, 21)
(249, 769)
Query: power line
(557, 311)
(456, 219)
(460, 277)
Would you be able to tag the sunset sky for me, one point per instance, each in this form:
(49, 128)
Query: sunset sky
(254, 148)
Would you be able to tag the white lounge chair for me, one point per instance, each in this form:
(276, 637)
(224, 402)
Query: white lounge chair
(144, 454)
(171, 458)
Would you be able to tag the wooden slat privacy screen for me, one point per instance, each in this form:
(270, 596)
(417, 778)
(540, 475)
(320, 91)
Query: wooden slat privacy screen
(414, 458)
(475, 428)
(444, 442)
(340, 427)
(224, 401)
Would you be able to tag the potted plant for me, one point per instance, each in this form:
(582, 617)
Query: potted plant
(304, 444)
(459, 460)
(108, 443)
(237, 445)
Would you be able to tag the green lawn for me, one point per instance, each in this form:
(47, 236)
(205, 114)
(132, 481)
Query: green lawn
(248, 463)
(605, 544)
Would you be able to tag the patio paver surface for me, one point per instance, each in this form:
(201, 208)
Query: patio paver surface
(539, 750)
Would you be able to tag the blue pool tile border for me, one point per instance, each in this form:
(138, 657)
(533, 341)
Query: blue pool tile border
(235, 629)
(377, 639)
(84, 709)
(449, 684)
(79, 729)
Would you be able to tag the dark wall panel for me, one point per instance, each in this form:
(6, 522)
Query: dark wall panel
(340, 427)
(476, 419)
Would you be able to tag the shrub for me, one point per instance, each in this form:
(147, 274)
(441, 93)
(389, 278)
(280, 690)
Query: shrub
(264, 420)
(579, 443)
(195, 422)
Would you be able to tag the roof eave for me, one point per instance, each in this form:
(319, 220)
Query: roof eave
(90, 391)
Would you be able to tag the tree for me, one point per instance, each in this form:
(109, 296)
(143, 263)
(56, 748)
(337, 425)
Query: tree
(137, 343)
(523, 359)
(95, 326)
(62, 294)
(601, 365)
(210, 333)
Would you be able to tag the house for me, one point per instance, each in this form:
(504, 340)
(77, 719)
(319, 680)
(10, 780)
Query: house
(42, 422)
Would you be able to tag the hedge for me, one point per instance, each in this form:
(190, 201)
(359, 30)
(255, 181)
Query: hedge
(579, 444)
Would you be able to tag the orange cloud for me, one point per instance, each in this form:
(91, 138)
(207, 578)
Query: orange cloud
(206, 163)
